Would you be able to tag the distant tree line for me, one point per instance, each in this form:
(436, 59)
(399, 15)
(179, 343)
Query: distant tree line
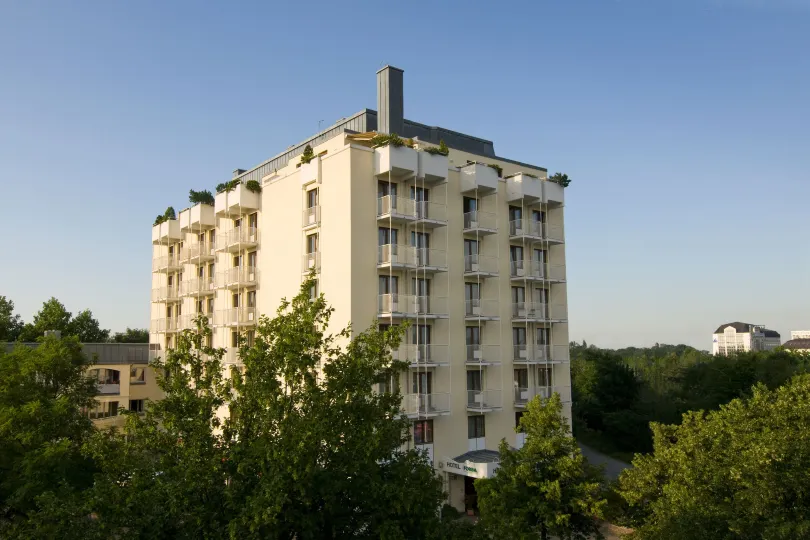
(54, 316)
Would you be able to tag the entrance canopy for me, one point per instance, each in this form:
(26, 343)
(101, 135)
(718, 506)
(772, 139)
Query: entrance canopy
(475, 464)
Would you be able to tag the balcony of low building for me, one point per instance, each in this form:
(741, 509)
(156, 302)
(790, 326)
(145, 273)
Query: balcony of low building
(484, 401)
(407, 306)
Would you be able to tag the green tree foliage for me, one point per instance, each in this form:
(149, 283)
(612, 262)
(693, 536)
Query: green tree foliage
(201, 197)
(165, 216)
(561, 179)
(131, 335)
(10, 324)
(308, 154)
(546, 489)
(320, 451)
(735, 473)
(54, 316)
(42, 393)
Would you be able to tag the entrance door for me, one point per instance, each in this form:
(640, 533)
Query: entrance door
(470, 495)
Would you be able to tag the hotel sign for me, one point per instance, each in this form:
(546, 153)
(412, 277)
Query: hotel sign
(468, 468)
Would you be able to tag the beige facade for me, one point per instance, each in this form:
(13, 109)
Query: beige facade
(473, 261)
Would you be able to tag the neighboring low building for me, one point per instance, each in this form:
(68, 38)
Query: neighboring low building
(798, 344)
(125, 380)
(743, 337)
(799, 334)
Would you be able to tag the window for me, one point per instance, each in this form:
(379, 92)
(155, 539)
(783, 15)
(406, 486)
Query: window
(420, 194)
(389, 285)
(102, 410)
(475, 427)
(518, 416)
(210, 309)
(212, 236)
(543, 336)
(201, 238)
(251, 260)
(251, 299)
(237, 261)
(105, 376)
(420, 334)
(515, 213)
(386, 236)
(470, 204)
(234, 338)
(312, 198)
(386, 188)
(253, 221)
(313, 291)
(518, 295)
(519, 336)
(171, 251)
(421, 287)
(423, 432)
(211, 270)
(472, 293)
(237, 223)
(474, 380)
(422, 383)
(200, 272)
(136, 405)
(538, 216)
(471, 247)
(137, 375)
(516, 253)
(420, 240)
(312, 243)
(250, 337)
(473, 335)
(235, 300)
(544, 376)
(171, 281)
(522, 378)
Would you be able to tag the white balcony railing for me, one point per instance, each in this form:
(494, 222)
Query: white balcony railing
(477, 307)
(480, 264)
(395, 207)
(483, 399)
(198, 250)
(426, 404)
(556, 272)
(517, 269)
(237, 238)
(311, 261)
(165, 263)
(407, 305)
(430, 353)
(164, 325)
(239, 276)
(189, 321)
(236, 317)
(530, 310)
(430, 211)
(525, 394)
(477, 221)
(483, 354)
(197, 287)
(312, 216)
(528, 228)
(554, 233)
(165, 294)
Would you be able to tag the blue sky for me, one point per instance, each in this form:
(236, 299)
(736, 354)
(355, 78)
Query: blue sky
(685, 126)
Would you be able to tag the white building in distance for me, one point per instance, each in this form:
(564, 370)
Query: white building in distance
(739, 337)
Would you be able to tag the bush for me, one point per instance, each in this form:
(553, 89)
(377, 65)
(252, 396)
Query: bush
(497, 168)
(561, 179)
(200, 197)
(228, 186)
(308, 154)
(166, 216)
(381, 139)
(253, 186)
(442, 150)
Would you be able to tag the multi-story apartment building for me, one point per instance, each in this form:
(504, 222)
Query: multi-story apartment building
(125, 380)
(739, 337)
(469, 248)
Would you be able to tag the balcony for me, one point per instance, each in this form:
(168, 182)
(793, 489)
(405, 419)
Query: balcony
(236, 317)
(482, 401)
(526, 229)
(398, 256)
(430, 215)
(540, 353)
(553, 234)
(478, 177)
(403, 210)
(166, 325)
(167, 232)
(425, 405)
(406, 306)
(553, 194)
(310, 262)
(199, 217)
(393, 162)
(109, 389)
(524, 187)
(237, 239)
(483, 355)
(189, 321)
(166, 294)
(523, 395)
(480, 266)
(198, 252)
(477, 310)
(556, 273)
(423, 355)
(238, 277)
(480, 223)
(166, 264)
(312, 217)
(432, 168)
(198, 287)
(310, 172)
(231, 356)
(530, 312)
(237, 202)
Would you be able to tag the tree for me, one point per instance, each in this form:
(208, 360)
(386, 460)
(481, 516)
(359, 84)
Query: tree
(42, 393)
(10, 324)
(54, 316)
(738, 472)
(320, 452)
(561, 179)
(165, 474)
(132, 335)
(546, 488)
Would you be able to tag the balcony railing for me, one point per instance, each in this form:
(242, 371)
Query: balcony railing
(530, 310)
(480, 222)
(165, 294)
(526, 228)
(239, 276)
(517, 269)
(197, 287)
(422, 354)
(480, 265)
(483, 400)
(403, 256)
(238, 238)
(189, 321)
(311, 261)
(166, 263)
(236, 317)
(554, 233)
(164, 325)
(109, 389)
(407, 305)
(428, 211)
(540, 353)
(395, 207)
(556, 272)
(481, 309)
(312, 217)
(525, 394)
(415, 405)
(483, 354)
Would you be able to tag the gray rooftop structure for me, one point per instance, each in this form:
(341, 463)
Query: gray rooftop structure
(390, 101)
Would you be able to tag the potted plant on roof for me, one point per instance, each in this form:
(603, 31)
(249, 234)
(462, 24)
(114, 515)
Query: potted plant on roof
(393, 157)
(433, 162)
(309, 170)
